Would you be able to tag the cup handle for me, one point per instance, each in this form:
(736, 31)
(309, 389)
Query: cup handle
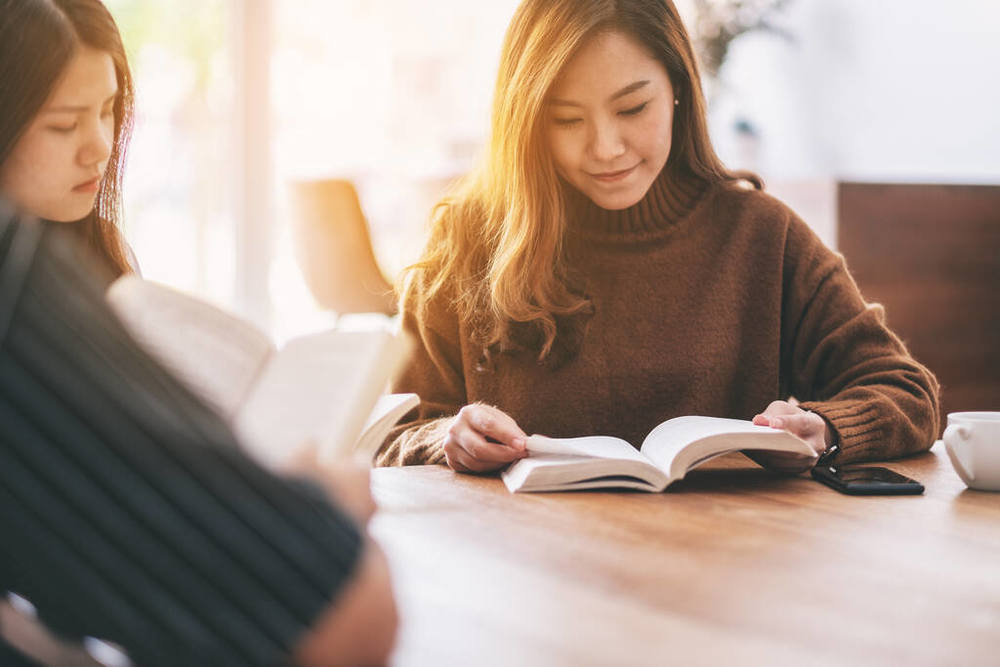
(961, 457)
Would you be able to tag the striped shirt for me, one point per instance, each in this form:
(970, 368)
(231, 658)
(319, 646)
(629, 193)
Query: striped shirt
(127, 511)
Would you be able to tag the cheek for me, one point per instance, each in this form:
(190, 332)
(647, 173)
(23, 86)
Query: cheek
(41, 157)
(654, 135)
(564, 150)
(35, 169)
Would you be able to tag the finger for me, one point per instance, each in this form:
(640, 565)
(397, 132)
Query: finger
(451, 457)
(804, 424)
(477, 447)
(462, 436)
(470, 465)
(778, 409)
(495, 424)
(460, 460)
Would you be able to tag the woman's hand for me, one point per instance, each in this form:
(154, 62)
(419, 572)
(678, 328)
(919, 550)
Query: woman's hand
(482, 438)
(808, 426)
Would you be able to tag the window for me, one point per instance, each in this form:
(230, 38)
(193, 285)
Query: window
(391, 94)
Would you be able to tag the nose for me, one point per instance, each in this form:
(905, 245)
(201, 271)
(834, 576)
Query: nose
(606, 142)
(97, 144)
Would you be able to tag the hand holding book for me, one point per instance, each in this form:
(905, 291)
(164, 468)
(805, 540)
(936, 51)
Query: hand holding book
(324, 388)
(667, 454)
(483, 438)
(806, 425)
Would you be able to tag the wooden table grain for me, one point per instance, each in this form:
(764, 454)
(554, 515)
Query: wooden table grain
(732, 565)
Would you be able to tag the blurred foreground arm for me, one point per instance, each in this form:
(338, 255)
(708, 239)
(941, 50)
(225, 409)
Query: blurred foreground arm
(129, 513)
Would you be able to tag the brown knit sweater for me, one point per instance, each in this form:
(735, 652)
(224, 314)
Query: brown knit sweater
(708, 300)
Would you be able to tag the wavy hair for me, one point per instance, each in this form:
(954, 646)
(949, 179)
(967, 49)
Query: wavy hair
(38, 39)
(496, 241)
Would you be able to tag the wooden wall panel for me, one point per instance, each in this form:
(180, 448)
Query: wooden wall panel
(931, 255)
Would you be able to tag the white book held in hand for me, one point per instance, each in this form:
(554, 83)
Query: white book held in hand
(667, 454)
(325, 388)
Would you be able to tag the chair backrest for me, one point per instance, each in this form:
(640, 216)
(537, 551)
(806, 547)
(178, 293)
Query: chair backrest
(931, 255)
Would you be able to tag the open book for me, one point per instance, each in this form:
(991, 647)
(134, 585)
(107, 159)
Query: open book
(325, 388)
(667, 454)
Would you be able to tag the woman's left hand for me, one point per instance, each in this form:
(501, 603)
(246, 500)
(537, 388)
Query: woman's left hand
(808, 426)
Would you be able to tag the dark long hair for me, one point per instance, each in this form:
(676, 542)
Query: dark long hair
(38, 39)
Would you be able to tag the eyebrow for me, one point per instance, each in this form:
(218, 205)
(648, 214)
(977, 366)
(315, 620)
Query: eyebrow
(78, 109)
(631, 88)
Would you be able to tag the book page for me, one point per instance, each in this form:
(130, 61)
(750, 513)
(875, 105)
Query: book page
(216, 354)
(319, 389)
(559, 472)
(590, 462)
(388, 410)
(598, 446)
(679, 444)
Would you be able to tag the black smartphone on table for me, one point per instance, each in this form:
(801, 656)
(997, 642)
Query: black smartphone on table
(867, 481)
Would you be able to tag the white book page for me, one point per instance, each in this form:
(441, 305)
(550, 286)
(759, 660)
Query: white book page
(560, 472)
(318, 389)
(578, 463)
(218, 355)
(387, 411)
(678, 444)
(598, 446)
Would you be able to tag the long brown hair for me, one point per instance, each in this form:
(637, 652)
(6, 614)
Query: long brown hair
(38, 39)
(496, 242)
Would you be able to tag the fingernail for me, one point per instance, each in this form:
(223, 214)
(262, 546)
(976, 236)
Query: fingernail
(777, 423)
(518, 442)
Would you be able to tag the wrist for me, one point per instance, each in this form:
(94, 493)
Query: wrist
(831, 439)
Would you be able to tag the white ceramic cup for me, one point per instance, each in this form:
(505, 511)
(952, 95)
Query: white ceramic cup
(972, 440)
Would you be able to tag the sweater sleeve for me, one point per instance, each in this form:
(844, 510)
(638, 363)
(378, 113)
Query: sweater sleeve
(435, 373)
(127, 511)
(842, 361)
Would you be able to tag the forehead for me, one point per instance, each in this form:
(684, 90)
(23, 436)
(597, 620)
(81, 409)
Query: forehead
(89, 79)
(605, 63)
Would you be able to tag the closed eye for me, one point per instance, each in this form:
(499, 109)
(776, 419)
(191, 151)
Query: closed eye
(566, 121)
(634, 111)
(63, 129)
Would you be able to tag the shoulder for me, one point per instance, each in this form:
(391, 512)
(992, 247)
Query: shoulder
(764, 216)
(427, 303)
(740, 203)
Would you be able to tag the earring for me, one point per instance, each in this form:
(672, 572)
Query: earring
(676, 101)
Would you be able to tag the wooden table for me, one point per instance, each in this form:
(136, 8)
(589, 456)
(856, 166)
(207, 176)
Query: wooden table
(732, 565)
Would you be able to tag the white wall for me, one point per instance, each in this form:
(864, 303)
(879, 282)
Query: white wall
(878, 90)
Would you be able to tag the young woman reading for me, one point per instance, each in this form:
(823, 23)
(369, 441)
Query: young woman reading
(66, 119)
(602, 271)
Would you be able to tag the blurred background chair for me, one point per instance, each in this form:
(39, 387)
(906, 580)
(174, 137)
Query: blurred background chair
(333, 248)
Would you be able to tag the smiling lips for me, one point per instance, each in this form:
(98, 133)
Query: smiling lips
(613, 176)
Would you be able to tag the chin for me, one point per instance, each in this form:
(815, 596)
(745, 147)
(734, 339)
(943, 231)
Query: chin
(616, 202)
(67, 214)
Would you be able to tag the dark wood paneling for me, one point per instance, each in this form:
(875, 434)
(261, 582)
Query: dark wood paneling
(931, 255)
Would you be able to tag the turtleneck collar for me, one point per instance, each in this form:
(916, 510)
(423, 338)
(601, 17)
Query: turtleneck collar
(669, 200)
